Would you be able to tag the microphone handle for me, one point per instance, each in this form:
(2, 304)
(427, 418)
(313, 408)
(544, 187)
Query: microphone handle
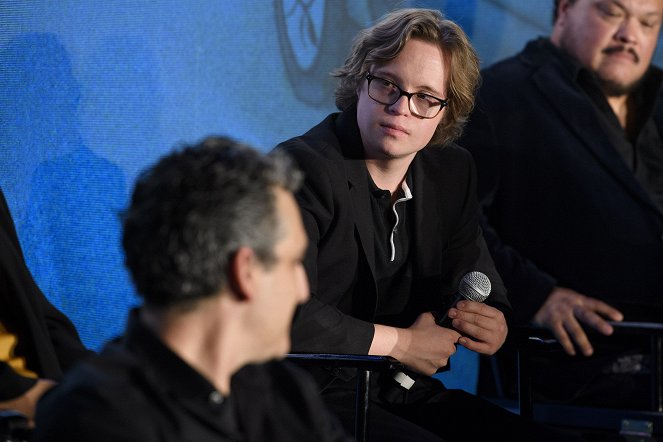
(406, 381)
(443, 320)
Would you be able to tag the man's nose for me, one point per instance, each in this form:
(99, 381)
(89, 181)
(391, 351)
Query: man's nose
(401, 106)
(627, 31)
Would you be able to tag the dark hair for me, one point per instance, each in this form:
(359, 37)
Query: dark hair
(191, 211)
(385, 40)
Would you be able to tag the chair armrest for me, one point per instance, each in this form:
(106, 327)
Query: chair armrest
(365, 365)
(638, 328)
(14, 426)
(531, 337)
(334, 360)
(537, 340)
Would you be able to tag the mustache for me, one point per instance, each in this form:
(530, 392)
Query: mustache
(616, 49)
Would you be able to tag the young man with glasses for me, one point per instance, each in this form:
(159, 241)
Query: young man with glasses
(390, 209)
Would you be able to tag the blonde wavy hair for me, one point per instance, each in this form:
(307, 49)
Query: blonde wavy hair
(385, 40)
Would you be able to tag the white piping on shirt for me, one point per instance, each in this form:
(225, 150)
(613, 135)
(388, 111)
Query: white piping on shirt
(408, 196)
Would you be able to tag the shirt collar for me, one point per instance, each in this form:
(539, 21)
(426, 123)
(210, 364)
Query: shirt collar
(179, 377)
(645, 94)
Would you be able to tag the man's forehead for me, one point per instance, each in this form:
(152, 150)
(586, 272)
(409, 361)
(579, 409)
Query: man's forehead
(644, 7)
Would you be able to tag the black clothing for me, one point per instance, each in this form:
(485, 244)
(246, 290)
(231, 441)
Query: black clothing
(139, 390)
(346, 295)
(562, 207)
(640, 145)
(446, 242)
(570, 199)
(393, 272)
(46, 338)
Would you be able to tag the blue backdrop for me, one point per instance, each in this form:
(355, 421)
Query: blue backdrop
(92, 92)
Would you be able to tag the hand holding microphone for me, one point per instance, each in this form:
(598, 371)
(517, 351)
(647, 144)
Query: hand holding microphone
(474, 286)
(483, 327)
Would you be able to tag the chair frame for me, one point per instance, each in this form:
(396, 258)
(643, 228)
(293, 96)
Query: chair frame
(537, 341)
(365, 365)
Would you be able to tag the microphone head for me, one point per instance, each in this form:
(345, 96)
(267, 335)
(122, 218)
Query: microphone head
(475, 286)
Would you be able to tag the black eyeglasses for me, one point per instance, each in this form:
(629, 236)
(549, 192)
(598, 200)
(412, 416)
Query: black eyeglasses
(387, 92)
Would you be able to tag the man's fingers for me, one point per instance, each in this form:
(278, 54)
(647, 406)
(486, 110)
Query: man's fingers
(478, 327)
(477, 319)
(481, 315)
(604, 309)
(593, 320)
(564, 339)
(479, 308)
(477, 332)
(577, 334)
(476, 346)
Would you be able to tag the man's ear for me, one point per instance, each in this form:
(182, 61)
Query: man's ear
(242, 274)
(562, 9)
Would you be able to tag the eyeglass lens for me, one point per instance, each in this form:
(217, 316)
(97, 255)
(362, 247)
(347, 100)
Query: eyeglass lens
(386, 92)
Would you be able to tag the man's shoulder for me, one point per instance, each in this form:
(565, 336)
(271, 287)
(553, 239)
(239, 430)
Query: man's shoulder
(449, 154)
(280, 374)
(438, 164)
(320, 140)
(114, 372)
(514, 69)
(318, 152)
(103, 392)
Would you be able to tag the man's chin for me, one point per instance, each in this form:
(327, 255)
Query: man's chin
(614, 88)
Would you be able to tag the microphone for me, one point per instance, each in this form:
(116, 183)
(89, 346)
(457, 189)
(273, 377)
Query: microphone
(475, 286)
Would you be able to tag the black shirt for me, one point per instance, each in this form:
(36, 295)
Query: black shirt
(139, 390)
(393, 270)
(641, 147)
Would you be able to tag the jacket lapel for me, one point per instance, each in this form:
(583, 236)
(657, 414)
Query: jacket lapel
(427, 217)
(360, 197)
(580, 117)
(357, 174)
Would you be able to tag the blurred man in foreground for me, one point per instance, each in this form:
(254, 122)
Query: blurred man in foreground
(214, 242)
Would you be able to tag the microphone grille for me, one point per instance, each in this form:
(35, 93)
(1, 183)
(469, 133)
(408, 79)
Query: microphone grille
(475, 286)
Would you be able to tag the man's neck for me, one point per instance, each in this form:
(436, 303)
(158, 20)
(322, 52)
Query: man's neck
(196, 337)
(389, 174)
(621, 106)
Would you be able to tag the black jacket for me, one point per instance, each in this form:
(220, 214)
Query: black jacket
(46, 338)
(137, 389)
(335, 202)
(562, 207)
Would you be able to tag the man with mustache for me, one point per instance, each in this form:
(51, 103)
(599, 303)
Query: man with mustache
(567, 136)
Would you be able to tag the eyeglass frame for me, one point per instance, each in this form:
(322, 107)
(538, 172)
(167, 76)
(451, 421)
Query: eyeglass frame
(370, 77)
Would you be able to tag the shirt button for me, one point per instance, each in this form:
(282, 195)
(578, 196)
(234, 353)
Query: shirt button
(216, 398)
